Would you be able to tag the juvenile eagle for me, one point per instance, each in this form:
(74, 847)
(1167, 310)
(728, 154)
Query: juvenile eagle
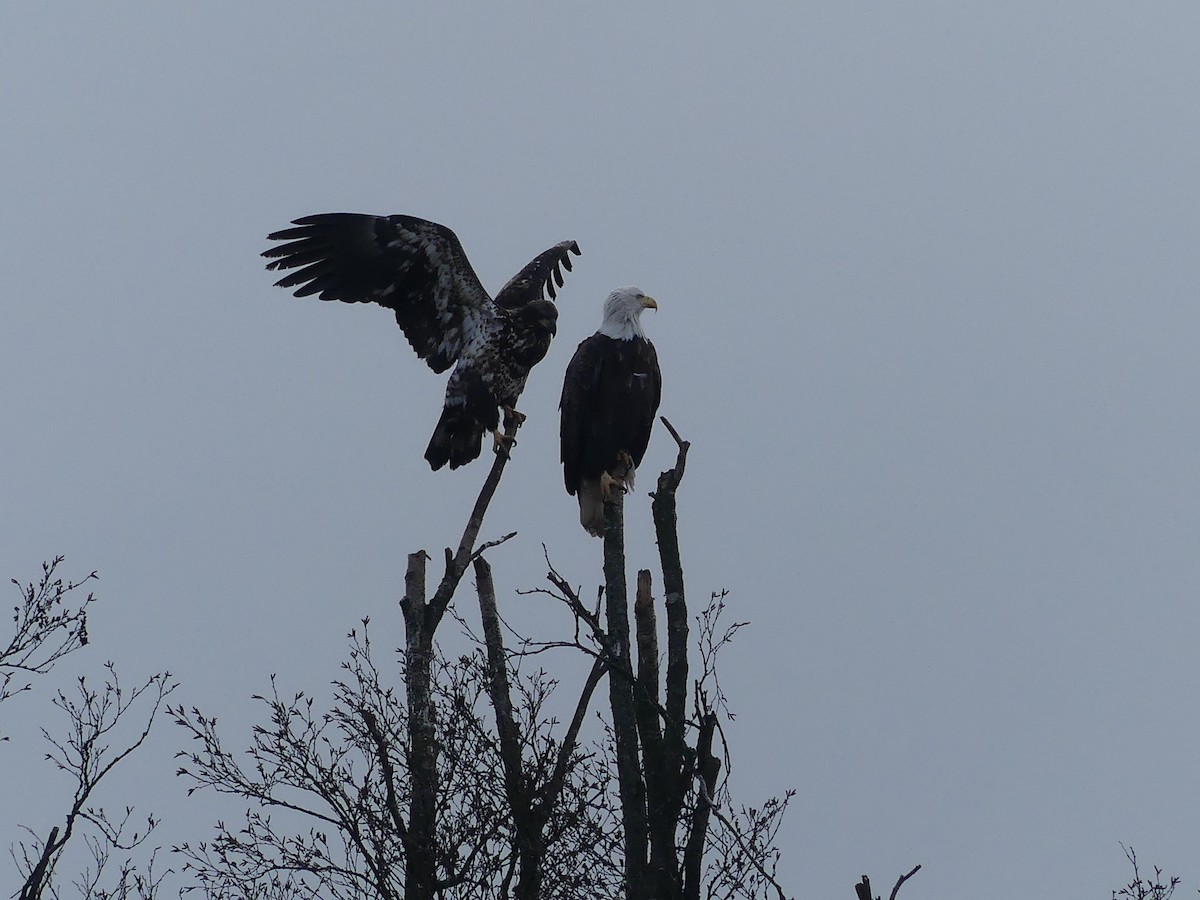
(418, 269)
(610, 395)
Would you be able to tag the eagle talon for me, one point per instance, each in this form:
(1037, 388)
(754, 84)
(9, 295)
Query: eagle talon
(512, 419)
(610, 487)
(502, 443)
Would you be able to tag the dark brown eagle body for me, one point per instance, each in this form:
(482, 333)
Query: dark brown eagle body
(611, 393)
(513, 344)
(419, 270)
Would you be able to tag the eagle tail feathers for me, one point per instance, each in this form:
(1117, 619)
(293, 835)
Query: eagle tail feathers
(591, 506)
(456, 440)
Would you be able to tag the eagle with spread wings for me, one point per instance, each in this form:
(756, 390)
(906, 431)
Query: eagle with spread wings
(418, 269)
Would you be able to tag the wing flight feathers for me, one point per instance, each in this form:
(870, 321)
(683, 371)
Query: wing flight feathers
(413, 266)
(543, 272)
(418, 269)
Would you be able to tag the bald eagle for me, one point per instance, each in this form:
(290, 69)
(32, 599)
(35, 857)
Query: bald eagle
(418, 269)
(610, 395)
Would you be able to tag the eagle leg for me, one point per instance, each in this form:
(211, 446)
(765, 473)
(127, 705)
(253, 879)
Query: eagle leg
(512, 419)
(610, 487)
(502, 443)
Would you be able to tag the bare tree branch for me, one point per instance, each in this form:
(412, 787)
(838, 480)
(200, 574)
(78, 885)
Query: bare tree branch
(903, 878)
(433, 795)
(87, 755)
(1145, 888)
(621, 702)
(456, 565)
(862, 890)
(48, 626)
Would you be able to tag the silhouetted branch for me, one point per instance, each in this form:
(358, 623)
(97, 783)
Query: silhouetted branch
(749, 856)
(347, 771)
(433, 796)
(1145, 888)
(621, 702)
(863, 889)
(677, 761)
(456, 565)
(662, 816)
(533, 792)
(420, 620)
(48, 627)
(88, 755)
(903, 878)
(708, 769)
(570, 740)
(388, 772)
(488, 545)
(498, 688)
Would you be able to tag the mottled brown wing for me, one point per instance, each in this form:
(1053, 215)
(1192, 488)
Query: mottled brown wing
(544, 272)
(412, 266)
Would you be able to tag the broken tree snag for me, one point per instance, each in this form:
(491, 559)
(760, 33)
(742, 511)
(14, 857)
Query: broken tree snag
(36, 882)
(660, 813)
(421, 618)
(666, 531)
(632, 789)
(665, 518)
(647, 670)
(862, 890)
(414, 584)
(666, 521)
(421, 870)
(669, 480)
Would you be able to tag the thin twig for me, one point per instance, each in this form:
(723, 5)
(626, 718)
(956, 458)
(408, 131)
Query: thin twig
(488, 545)
(753, 857)
(902, 879)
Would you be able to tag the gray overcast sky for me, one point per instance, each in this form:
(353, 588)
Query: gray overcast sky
(927, 276)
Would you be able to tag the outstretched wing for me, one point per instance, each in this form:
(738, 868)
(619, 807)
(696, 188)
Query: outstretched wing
(542, 273)
(412, 266)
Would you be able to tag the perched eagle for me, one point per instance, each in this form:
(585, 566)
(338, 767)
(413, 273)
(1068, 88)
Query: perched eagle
(418, 269)
(610, 395)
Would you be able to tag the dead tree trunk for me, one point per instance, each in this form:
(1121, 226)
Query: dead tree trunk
(862, 890)
(526, 828)
(421, 874)
(654, 764)
(662, 815)
(421, 619)
(632, 788)
(530, 802)
(709, 767)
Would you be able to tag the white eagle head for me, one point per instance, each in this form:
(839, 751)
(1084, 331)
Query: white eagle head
(623, 311)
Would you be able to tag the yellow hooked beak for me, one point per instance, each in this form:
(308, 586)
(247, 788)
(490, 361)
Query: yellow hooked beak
(649, 302)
